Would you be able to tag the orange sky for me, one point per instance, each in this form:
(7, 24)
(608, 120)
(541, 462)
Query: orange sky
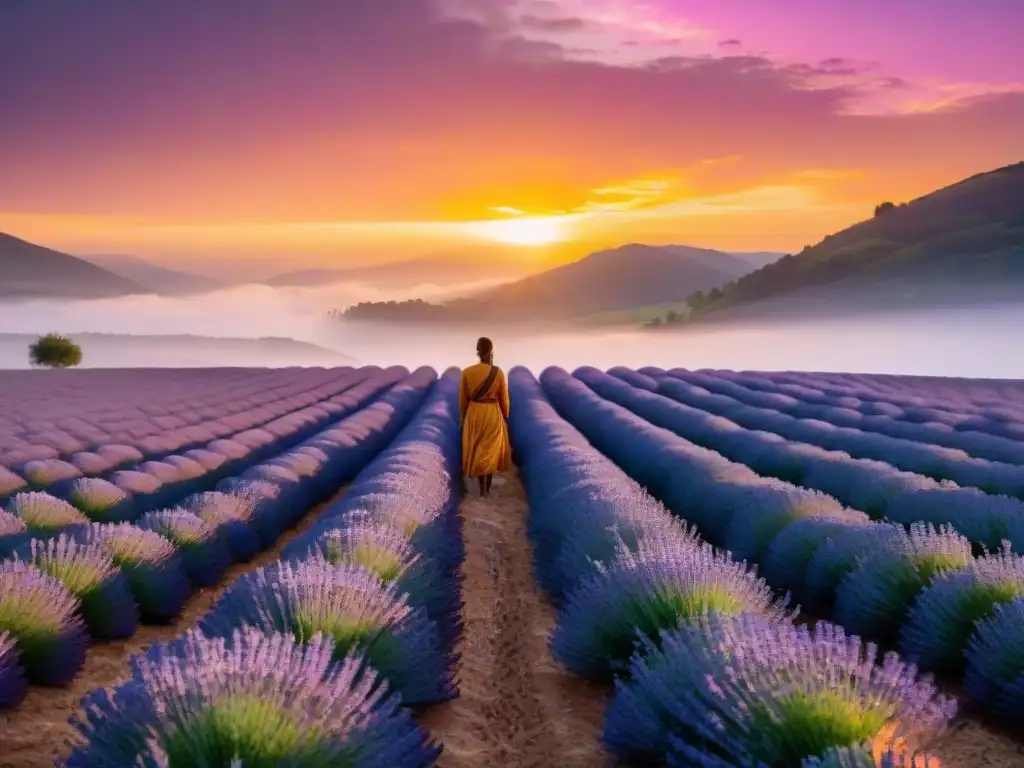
(348, 132)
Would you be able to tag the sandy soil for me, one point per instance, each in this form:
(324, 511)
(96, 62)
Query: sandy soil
(37, 732)
(517, 708)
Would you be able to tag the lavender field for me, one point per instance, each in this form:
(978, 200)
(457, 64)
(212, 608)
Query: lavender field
(255, 567)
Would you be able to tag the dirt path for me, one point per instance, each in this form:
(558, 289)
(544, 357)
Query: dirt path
(517, 707)
(37, 732)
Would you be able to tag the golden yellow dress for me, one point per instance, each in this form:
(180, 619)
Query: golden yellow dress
(485, 445)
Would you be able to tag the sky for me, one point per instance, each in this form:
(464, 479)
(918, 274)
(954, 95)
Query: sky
(326, 132)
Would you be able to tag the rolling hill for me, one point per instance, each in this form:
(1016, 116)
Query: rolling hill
(619, 278)
(961, 245)
(31, 271)
(160, 280)
(457, 266)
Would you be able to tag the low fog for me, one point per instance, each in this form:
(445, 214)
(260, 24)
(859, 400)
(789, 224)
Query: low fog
(950, 342)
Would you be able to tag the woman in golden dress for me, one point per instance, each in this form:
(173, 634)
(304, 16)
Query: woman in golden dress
(483, 406)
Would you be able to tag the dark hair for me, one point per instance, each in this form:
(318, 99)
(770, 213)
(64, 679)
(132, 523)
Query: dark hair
(484, 347)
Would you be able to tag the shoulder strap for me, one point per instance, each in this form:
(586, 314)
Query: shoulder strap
(482, 389)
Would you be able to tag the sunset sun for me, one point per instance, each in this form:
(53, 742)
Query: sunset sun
(523, 231)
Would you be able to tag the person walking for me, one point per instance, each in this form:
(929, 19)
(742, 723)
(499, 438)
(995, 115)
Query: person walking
(484, 409)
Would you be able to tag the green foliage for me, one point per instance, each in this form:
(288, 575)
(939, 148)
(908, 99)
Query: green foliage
(54, 351)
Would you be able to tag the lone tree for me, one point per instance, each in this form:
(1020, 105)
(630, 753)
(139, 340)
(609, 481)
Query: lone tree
(883, 208)
(54, 351)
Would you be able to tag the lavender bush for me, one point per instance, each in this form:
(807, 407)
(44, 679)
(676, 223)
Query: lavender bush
(151, 564)
(100, 500)
(45, 515)
(748, 691)
(640, 594)
(203, 552)
(90, 574)
(42, 616)
(875, 598)
(995, 662)
(352, 606)
(231, 516)
(258, 701)
(943, 618)
(13, 682)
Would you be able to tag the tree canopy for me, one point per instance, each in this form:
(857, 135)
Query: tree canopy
(54, 351)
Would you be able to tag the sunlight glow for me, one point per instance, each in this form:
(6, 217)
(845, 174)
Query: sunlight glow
(526, 231)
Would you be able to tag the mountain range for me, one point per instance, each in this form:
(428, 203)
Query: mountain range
(156, 279)
(30, 271)
(962, 245)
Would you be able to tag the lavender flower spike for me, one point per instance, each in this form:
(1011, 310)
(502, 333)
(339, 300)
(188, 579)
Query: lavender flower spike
(13, 682)
(42, 617)
(355, 608)
(257, 701)
(89, 573)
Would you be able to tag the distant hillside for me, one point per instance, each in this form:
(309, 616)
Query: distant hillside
(963, 244)
(620, 278)
(758, 259)
(160, 280)
(106, 350)
(32, 271)
(457, 266)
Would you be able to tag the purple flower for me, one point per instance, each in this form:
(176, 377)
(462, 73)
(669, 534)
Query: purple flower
(43, 617)
(151, 564)
(90, 574)
(13, 682)
(640, 594)
(251, 700)
(748, 691)
(354, 607)
(203, 552)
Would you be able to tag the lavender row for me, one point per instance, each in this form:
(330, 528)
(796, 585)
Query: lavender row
(930, 460)
(929, 405)
(155, 484)
(961, 394)
(59, 424)
(643, 600)
(871, 486)
(921, 588)
(331, 640)
(87, 569)
(972, 443)
(112, 452)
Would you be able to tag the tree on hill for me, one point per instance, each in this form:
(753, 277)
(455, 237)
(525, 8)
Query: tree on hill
(885, 207)
(54, 351)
